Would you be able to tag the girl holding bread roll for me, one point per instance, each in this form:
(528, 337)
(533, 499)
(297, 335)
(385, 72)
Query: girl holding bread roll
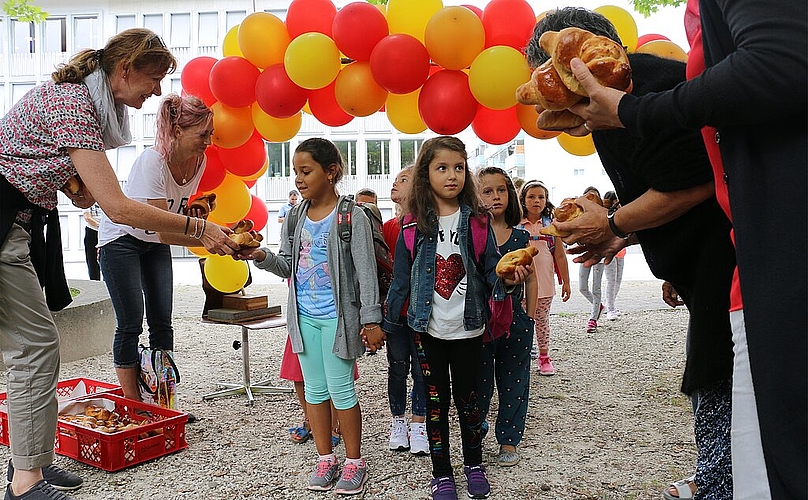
(136, 263)
(534, 198)
(507, 359)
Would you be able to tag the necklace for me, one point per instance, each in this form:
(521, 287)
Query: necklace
(190, 173)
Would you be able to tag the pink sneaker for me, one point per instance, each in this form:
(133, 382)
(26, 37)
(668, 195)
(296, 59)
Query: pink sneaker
(591, 326)
(546, 366)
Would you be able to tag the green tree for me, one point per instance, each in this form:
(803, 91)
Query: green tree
(25, 11)
(648, 7)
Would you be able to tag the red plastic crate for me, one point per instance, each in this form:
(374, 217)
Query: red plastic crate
(64, 391)
(112, 452)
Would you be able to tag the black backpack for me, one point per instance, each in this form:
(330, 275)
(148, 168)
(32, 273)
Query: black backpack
(384, 260)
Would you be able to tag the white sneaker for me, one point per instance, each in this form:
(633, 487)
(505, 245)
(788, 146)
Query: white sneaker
(612, 315)
(398, 435)
(419, 444)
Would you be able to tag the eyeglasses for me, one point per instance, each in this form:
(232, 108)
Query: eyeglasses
(156, 39)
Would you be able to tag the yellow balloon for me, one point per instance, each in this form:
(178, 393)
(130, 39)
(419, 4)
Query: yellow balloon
(225, 273)
(260, 172)
(233, 200)
(623, 22)
(663, 48)
(263, 39)
(199, 251)
(312, 60)
(578, 146)
(402, 111)
(276, 129)
(230, 44)
(495, 75)
(232, 127)
(306, 109)
(411, 16)
(454, 36)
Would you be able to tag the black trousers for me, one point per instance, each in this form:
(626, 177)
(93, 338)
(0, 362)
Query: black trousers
(91, 253)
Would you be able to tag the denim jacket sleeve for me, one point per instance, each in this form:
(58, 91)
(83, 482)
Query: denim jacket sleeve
(400, 287)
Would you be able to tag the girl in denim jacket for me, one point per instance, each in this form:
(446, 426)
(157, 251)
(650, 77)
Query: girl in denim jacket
(328, 317)
(448, 288)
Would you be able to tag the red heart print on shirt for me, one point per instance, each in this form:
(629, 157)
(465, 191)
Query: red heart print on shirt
(448, 273)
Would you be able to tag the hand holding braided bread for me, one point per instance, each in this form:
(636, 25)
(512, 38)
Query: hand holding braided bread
(553, 85)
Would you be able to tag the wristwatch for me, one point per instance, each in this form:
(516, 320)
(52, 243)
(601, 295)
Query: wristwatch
(613, 226)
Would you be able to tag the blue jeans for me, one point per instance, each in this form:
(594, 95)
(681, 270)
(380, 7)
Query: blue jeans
(135, 272)
(402, 357)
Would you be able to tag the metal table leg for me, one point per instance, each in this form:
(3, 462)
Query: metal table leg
(230, 389)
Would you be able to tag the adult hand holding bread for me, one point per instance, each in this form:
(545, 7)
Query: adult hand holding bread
(580, 219)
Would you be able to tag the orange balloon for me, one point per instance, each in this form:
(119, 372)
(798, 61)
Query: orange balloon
(232, 127)
(199, 251)
(263, 39)
(454, 36)
(357, 92)
(527, 117)
(233, 200)
(663, 48)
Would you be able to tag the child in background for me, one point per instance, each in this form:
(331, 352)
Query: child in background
(594, 296)
(507, 358)
(402, 356)
(448, 284)
(538, 213)
(327, 343)
(614, 269)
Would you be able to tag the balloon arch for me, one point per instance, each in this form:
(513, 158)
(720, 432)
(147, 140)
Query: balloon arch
(427, 66)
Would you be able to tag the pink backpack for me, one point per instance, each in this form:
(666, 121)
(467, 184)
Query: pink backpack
(501, 311)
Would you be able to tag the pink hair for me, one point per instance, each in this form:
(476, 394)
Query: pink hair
(182, 112)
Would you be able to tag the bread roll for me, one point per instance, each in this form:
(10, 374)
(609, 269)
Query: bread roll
(244, 235)
(567, 211)
(558, 120)
(547, 89)
(506, 267)
(605, 58)
(205, 204)
(73, 185)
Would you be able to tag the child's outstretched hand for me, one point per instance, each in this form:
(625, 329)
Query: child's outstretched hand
(250, 254)
(519, 276)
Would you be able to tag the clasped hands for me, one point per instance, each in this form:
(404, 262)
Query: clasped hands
(373, 337)
(591, 235)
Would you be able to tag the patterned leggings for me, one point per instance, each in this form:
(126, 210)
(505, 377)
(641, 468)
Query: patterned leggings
(543, 323)
(711, 418)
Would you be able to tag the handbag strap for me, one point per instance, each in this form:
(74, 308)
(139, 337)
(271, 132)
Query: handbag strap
(166, 355)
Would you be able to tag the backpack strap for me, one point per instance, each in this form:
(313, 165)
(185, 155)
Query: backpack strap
(292, 217)
(408, 228)
(345, 207)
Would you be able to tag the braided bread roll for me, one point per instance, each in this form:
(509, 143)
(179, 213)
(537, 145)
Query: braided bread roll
(567, 211)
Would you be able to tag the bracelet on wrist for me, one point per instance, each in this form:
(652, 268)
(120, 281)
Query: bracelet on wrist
(187, 224)
(372, 327)
(613, 226)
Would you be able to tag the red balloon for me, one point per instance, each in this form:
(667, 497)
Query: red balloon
(508, 22)
(250, 183)
(643, 39)
(446, 103)
(307, 16)
(496, 126)
(232, 81)
(246, 159)
(277, 94)
(195, 78)
(357, 28)
(474, 9)
(324, 106)
(214, 171)
(258, 213)
(400, 63)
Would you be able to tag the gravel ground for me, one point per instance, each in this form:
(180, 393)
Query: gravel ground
(611, 424)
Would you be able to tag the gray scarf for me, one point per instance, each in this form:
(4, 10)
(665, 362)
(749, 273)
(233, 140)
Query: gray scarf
(114, 118)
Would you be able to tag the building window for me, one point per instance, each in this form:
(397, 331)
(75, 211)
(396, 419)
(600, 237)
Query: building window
(180, 30)
(278, 159)
(378, 157)
(235, 17)
(154, 22)
(22, 37)
(578, 172)
(3, 100)
(208, 29)
(55, 35)
(124, 23)
(348, 151)
(85, 33)
(126, 156)
(409, 151)
(18, 90)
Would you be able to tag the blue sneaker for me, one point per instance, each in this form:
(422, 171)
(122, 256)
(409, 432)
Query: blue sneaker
(477, 481)
(443, 488)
